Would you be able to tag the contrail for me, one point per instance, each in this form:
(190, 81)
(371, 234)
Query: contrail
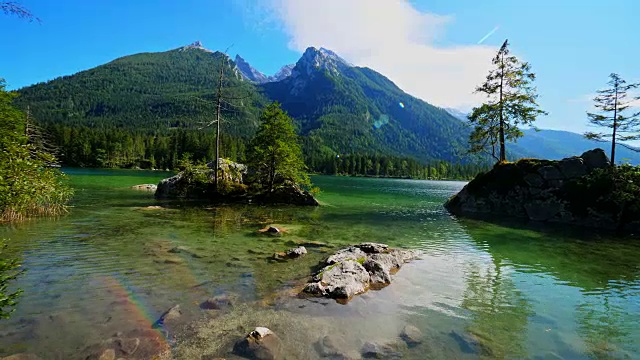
(489, 34)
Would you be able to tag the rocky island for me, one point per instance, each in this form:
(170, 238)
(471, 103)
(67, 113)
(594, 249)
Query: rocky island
(584, 190)
(236, 186)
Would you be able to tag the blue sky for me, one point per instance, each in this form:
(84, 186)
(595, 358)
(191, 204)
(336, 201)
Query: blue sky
(429, 48)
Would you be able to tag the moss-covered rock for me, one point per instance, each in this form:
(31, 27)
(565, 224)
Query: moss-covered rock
(196, 182)
(582, 190)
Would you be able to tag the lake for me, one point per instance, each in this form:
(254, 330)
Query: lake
(478, 290)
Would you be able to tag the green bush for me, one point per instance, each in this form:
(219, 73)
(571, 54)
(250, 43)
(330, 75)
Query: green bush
(28, 185)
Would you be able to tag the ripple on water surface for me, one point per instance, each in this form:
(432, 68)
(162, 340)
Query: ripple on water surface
(499, 291)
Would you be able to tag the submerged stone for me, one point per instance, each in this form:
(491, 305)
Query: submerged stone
(260, 344)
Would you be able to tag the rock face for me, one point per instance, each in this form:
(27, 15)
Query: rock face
(260, 344)
(233, 179)
(355, 269)
(538, 190)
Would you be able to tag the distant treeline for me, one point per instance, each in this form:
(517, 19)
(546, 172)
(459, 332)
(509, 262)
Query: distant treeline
(125, 148)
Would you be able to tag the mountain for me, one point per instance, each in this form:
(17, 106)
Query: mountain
(556, 144)
(249, 72)
(344, 109)
(256, 77)
(155, 91)
(340, 109)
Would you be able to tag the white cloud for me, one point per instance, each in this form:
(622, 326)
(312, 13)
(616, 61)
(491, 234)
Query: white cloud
(393, 38)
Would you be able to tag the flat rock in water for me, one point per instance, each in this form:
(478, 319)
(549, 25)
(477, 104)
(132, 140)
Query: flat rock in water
(411, 335)
(355, 269)
(260, 344)
(145, 187)
(335, 348)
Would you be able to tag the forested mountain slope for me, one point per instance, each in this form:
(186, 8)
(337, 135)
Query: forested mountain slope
(148, 109)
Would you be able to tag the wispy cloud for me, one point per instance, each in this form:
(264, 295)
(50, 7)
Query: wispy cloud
(484, 38)
(390, 36)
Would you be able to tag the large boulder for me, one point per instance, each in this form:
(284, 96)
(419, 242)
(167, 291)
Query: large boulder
(290, 194)
(357, 268)
(566, 191)
(260, 344)
(595, 159)
(192, 187)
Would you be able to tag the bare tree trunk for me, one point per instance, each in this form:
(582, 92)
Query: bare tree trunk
(218, 107)
(615, 128)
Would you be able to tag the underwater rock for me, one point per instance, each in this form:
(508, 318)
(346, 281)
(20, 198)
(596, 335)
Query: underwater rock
(216, 303)
(22, 356)
(376, 351)
(411, 335)
(260, 344)
(334, 348)
(470, 344)
(172, 314)
(355, 269)
(145, 187)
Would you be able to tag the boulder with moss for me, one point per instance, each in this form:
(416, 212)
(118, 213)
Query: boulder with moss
(584, 190)
(355, 269)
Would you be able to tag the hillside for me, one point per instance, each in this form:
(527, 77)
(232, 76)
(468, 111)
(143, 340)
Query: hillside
(346, 109)
(139, 108)
(157, 91)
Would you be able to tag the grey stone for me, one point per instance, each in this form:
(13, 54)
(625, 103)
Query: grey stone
(372, 248)
(350, 253)
(550, 173)
(469, 344)
(411, 335)
(145, 187)
(572, 167)
(595, 159)
(341, 281)
(334, 348)
(296, 252)
(273, 230)
(376, 351)
(260, 344)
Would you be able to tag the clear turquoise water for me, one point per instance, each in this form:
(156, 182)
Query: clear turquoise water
(518, 293)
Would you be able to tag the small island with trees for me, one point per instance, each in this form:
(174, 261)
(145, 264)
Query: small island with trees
(274, 174)
(589, 190)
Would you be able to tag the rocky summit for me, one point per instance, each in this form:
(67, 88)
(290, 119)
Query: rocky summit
(575, 190)
(356, 269)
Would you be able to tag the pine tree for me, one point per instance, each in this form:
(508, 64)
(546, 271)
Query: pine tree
(275, 153)
(612, 103)
(511, 102)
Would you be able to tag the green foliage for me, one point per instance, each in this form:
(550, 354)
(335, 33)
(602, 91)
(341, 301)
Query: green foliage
(275, 153)
(511, 102)
(614, 190)
(28, 186)
(147, 110)
(8, 272)
(612, 104)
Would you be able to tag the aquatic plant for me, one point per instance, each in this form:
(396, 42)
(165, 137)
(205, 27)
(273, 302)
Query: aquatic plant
(8, 272)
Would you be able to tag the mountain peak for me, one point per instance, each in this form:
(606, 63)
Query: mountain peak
(195, 45)
(315, 59)
(249, 72)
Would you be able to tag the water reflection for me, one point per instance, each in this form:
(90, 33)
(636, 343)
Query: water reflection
(565, 282)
